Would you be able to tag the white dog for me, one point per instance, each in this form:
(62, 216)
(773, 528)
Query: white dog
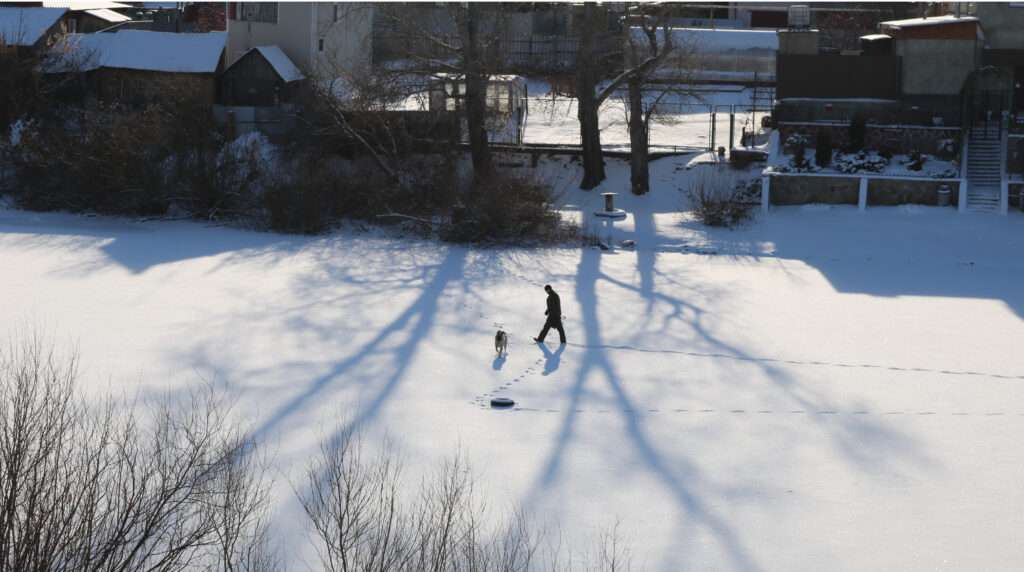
(500, 342)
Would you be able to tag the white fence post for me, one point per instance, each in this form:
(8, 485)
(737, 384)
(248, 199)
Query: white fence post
(862, 195)
(765, 193)
(961, 201)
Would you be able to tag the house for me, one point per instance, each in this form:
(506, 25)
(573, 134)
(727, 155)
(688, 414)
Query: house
(332, 39)
(28, 29)
(32, 26)
(1004, 46)
(263, 76)
(319, 38)
(937, 55)
(137, 67)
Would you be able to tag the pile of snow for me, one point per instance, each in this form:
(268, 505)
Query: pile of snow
(26, 26)
(140, 50)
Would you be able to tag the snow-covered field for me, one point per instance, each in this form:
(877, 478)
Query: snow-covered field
(820, 389)
(686, 121)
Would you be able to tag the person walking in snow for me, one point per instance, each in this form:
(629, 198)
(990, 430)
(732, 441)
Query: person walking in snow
(554, 314)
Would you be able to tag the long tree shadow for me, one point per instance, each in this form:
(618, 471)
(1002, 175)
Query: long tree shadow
(418, 318)
(594, 360)
(863, 442)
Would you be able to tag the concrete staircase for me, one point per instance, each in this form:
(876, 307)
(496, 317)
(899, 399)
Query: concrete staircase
(984, 169)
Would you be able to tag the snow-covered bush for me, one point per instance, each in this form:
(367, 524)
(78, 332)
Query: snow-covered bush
(860, 162)
(719, 198)
(796, 140)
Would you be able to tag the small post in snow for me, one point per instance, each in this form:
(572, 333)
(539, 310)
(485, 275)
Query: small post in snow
(862, 195)
(765, 192)
(961, 200)
(609, 215)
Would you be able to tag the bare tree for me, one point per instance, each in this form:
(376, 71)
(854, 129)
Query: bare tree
(651, 48)
(363, 522)
(421, 42)
(645, 54)
(97, 488)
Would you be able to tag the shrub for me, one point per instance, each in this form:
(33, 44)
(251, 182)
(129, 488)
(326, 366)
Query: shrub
(800, 155)
(508, 209)
(916, 161)
(104, 159)
(858, 132)
(719, 199)
(89, 487)
(823, 148)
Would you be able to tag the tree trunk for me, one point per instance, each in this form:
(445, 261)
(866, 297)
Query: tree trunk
(586, 84)
(476, 102)
(639, 176)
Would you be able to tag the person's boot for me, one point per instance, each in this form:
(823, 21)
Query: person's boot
(538, 340)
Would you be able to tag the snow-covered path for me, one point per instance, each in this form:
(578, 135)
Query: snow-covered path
(820, 389)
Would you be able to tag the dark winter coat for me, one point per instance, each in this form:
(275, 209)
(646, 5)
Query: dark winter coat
(554, 311)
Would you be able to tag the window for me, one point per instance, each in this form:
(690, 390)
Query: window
(320, 44)
(258, 11)
(337, 12)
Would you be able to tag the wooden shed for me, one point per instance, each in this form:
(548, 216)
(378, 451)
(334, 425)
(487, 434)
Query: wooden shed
(138, 67)
(263, 76)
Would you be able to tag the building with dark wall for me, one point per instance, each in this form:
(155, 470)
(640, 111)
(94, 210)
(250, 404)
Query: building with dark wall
(263, 76)
(1003, 24)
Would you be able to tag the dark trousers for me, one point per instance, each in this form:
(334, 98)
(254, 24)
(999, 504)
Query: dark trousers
(552, 323)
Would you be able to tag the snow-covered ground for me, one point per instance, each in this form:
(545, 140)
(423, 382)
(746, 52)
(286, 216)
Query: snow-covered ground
(819, 389)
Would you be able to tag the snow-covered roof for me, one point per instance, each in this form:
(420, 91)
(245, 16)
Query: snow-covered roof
(874, 37)
(709, 40)
(141, 50)
(281, 63)
(108, 15)
(79, 5)
(25, 26)
(933, 21)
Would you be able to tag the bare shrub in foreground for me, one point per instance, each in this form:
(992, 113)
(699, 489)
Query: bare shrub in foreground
(97, 488)
(720, 199)
(362, 521)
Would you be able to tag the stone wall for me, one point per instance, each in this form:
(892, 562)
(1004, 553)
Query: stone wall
(899, 140)
(888, 192)
(845, 190)
(801, 190)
